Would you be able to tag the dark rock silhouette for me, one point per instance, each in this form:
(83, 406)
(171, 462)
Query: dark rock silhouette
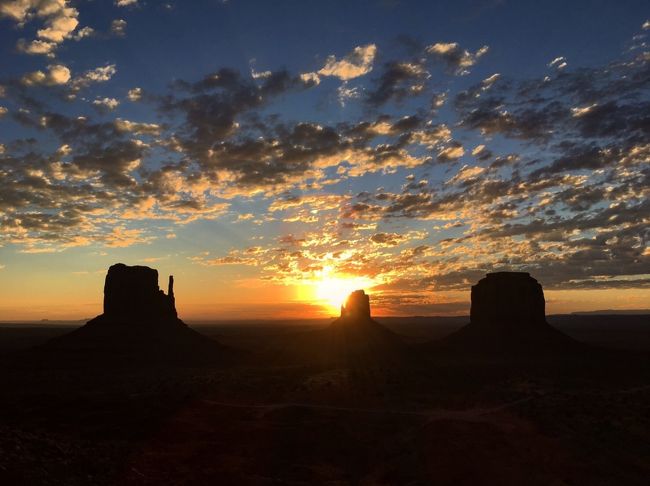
(132, 293)
(357, 306)
(354, 339)
(139, 325)
(507, 299)
(508, 316)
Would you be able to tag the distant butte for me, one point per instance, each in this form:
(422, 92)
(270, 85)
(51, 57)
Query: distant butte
(508, 315)
(356, 306)
(139, 324)
(132, 294)
(355, 335)
(508, 300)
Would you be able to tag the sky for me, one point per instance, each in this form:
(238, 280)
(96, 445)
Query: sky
(274, 156)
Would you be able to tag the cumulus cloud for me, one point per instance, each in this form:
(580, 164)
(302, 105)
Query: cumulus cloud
(57, 74)
(137, 128)
(558, 63)
(568, 201)
(454, 152)
(459, 60)
(310, 78)
(397, 81)
(106, 103)
(345, 93)
(59, 21)
(36, 47)
(118, 27)
(489, 81)
(100, 74)
(83, 33)
(125, 3)
(134, 94)
(356, 63)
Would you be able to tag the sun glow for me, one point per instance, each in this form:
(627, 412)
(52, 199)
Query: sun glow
(331, 290)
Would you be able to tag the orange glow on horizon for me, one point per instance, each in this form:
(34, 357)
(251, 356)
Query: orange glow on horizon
(330, 289)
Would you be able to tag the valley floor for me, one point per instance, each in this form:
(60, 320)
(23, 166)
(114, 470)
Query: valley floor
(428, 420)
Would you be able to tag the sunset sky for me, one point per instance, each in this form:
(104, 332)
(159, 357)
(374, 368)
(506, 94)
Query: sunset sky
(275, 155)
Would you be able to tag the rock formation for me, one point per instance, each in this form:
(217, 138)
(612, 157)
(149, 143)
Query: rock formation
(357, 338)
(139, 324)
(507, 316)
(507, 299)
(357, 306)
(132, 294)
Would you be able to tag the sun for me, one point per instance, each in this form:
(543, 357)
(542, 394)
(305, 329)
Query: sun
(331, 290)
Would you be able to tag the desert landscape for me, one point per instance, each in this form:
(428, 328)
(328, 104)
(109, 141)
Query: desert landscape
(148, 400)
(339, 243)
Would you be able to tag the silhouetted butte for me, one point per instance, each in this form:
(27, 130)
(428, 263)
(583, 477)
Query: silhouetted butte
(508, 300)
(508, 316)
(356, 306)
(356, 336)
(139, 324)
(132, 293)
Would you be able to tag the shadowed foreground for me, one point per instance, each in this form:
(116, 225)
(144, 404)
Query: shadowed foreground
(354, 401)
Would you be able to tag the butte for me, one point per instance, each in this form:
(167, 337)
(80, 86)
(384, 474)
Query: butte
(139, 325)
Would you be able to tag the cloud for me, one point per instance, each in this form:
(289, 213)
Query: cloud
(57, 74)
(397, 81)
(59, 26)
(355, 64)
(449, 154)
(94, 182)
(121, 237)
(213, 137)
(59, 22)
(126, 3)
(118, 28)
(388, 239)
(310, 78)
(489, 81)
(84, 33)
(106, 103)
(217, 140)
(137, 128)
(566, 201)
(36, 47)
(345, 93)
(100, 74)
(134, 94)
(558, 63)
(466, 173)
(459, 60)
(402, 79)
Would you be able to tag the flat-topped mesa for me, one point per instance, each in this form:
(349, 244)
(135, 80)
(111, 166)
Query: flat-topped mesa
(506, 299)
(139, 326)
(132, 294)
(357, 306)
